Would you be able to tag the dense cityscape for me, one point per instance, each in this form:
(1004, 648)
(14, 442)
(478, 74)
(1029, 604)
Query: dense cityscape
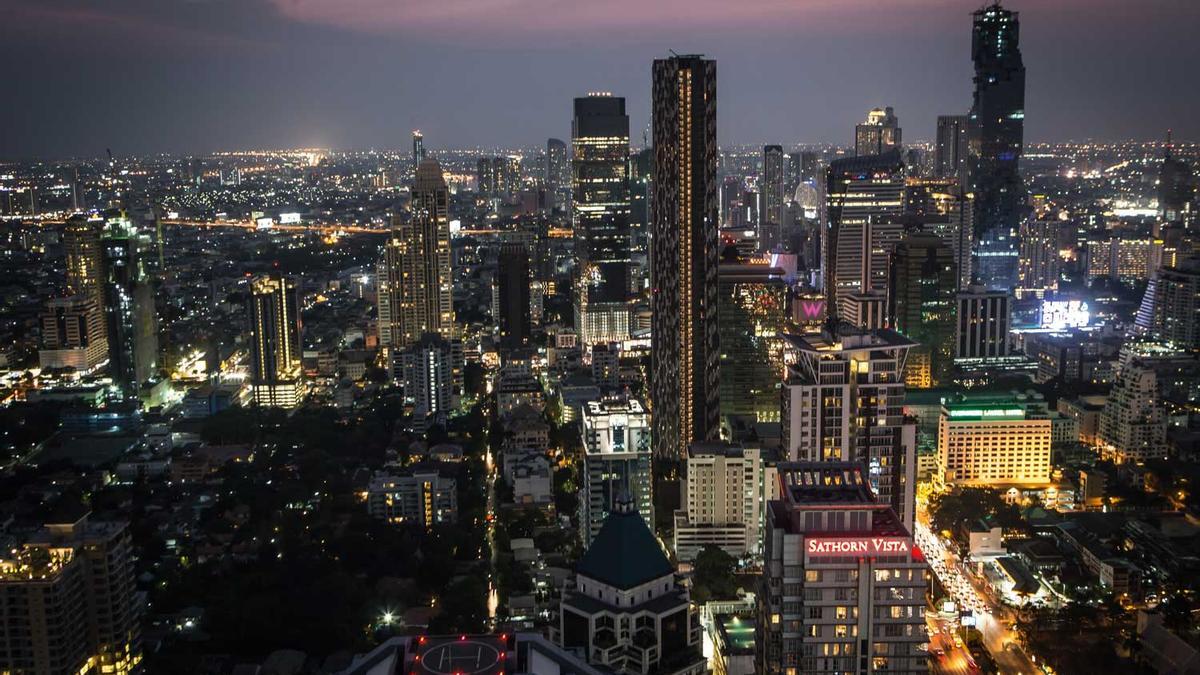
(626, 402)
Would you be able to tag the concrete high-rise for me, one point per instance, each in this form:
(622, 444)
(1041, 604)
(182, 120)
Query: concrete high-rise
(770, 227)
(951, 151)
(996, 130)
(512, 290)
(878, 134)
(276, 378)
(81, 247)
(724, 491)
(984, 318)
(73, 334)
(601, 215)
(684, 351)
(130, 316)
(921, 304)
(1176, 186)
(844, 401)
(70, 600)
(865, 200)
(427, 370)
(1037, 271)
(1170, 309)
(843, 585)
(616, 461)
(414, 272)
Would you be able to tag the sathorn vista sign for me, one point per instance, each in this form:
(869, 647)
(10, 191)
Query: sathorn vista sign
(864, 546)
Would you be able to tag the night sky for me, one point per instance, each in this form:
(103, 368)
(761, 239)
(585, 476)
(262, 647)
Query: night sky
(144, 76)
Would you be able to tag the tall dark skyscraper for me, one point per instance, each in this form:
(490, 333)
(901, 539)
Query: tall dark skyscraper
(951, 150)
(132, 324)
(771, 214)
(684, 353)
(1176, 185)
(601, 210)
(996, 130)
(512, 290)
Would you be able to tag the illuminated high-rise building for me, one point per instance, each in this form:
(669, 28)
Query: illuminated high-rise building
(843, 584)
(865, 199)
(996, 130)
(984, 318)
(922, 304)
(498, 177)
(878, 134)
(843, 401)
(752, 301)
(616, 461)
(770, 226)
(601, 214)
(684, 375)
(414, 272)
(73, 334)
(418, 150)
(950, 153)
(1039, 261)
(130, 316)
(276, 378)
(1170, 309)
(941, 206)
(70, 601)
(427, 371)
(81, 246)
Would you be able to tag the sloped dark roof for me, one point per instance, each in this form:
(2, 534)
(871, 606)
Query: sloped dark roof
(624, 553)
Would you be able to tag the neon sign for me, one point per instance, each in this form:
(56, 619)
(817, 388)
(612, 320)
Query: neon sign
(1059, 314)
(867, 546)
(812, 309)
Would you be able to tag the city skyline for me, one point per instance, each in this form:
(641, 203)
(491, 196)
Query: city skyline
(268, 74)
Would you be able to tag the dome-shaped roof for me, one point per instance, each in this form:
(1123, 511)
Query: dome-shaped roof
(807, 196)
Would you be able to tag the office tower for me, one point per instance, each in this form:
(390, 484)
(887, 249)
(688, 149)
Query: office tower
(684, 351)
(414, 272)
(724, 491)
(921, 304)
(989, 441)
(983, 320)
(513, 284)
(770, 232)
(1170, 309)
(801, 167)
(276, 378)
(624, 579)
(130, 317)
(601, 214)
(878, 134)
(72, 334)
(951, 153)
(843, 586)
(865, 198)
(844, 402)
(426, 369)
(996, 129)
(1039, 262)
(865, 309)
(1133, 424)
(732, 190)
(1176, 186)
(558, 172)
(941, 206)
(640, 178)
(418, 153)
(752, 301)
(81, 248)
(70, 598)
(616, 460)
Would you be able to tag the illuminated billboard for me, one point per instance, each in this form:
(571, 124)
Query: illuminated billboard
(857, 546)
(1059, 314)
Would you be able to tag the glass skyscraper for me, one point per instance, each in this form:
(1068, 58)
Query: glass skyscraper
(996, 129)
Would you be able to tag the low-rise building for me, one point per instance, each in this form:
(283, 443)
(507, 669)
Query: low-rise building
(426, 494)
